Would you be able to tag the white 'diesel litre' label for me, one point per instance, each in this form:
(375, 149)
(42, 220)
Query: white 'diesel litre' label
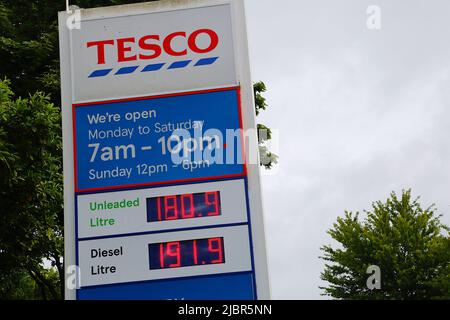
(126, 259)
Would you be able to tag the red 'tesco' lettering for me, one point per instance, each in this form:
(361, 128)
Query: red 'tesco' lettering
(100, 49)
(150, 46)
(167, 44)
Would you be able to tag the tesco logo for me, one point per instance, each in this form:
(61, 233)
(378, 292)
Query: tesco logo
(152, 46)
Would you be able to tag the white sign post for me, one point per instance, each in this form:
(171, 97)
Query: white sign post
(161, 182)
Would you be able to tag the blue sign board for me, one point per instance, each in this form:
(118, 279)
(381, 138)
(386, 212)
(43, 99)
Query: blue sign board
(126, 143)
(216, 287)
(148, 145)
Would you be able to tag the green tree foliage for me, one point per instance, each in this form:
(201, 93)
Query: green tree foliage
(31, 187)
(20, 285)
(31, 199)
(267, 158)
(29, 52)
(409, 245)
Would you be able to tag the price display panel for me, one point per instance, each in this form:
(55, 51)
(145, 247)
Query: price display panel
(183, 206)
(186, 253)
(169, 255)
(161, 208)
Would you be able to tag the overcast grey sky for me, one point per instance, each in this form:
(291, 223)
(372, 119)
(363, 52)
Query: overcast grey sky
(360, 112)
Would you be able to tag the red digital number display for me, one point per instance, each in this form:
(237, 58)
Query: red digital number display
(186, 253)
(183, 206)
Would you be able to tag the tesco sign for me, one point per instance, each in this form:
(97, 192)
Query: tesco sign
(146, 53)
(152, 46)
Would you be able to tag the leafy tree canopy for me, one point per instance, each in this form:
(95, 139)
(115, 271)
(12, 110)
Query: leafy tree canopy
(408, 243)
(31, 198)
